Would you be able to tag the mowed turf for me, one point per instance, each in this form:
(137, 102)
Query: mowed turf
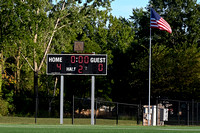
(56, 121)
(20, 128)
(51, 125)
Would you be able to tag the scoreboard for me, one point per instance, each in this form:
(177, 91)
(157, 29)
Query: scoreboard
(76, 64)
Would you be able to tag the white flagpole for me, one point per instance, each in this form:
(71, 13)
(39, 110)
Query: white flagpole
(149, 72)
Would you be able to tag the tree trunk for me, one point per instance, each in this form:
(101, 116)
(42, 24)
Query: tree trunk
(36, 71)
(17, 74)
(36, 94)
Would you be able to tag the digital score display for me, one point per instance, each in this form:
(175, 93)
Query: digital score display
(76, 64)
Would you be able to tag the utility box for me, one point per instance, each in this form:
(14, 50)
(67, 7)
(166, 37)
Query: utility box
(158, 114)
(149, 115)
(162, 115)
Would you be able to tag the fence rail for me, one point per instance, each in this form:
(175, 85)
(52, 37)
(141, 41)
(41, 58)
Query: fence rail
(106, 110)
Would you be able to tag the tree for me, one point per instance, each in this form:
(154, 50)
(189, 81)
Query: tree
(183, 17)
(120, 38)
(36, 23)
(171, 61)
(1, 68)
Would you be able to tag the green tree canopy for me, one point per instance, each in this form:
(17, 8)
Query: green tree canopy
(175, 57)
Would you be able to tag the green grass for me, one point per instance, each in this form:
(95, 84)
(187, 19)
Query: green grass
(56, 121)
(10, 128)
(51, 125)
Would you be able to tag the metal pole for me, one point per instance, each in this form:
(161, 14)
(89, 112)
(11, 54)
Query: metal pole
(149, 73)
(192, 111)
(73, 111)
(117, 113)
(138, 114)
(197, 113)
(179, 109)
(188, 114)
(61, 98)
(92, 100)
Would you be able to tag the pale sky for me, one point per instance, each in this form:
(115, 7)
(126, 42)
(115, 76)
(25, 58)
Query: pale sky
(124, 7)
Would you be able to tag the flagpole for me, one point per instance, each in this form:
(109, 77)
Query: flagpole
(155, 21)
(149, 73)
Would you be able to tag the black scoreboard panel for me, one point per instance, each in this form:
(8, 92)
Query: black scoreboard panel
(76, 64)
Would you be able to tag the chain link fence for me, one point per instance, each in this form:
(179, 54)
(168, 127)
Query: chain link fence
(182, 112)
(78, 110)
(107, 112)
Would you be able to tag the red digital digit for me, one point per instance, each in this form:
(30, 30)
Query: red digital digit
(86, 59)
(100, 67)
(80, 59)
(80, 70)
(73, 59)
(58, 66)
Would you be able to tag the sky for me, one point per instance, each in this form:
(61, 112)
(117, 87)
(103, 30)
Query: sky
(124, 7)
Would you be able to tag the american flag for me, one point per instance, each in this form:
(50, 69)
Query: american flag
(158, 22)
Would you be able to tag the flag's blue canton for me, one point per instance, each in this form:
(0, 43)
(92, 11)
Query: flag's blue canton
(154, 14)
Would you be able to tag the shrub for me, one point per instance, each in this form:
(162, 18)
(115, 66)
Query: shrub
(3, 107)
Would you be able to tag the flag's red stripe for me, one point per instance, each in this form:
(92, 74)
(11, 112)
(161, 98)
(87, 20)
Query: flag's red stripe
(160, 24)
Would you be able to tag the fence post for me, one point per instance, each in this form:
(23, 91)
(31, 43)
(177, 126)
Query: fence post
(179, 104)
(117, 115)
(188, 114)
(73, 110)
(138, 115)
(197, 113)
(192, 111)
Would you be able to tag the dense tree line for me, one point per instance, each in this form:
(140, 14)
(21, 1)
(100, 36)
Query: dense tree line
(29, 30)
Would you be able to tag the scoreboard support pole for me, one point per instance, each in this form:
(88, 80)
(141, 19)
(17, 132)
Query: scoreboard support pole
(61, 98)
(92, 99)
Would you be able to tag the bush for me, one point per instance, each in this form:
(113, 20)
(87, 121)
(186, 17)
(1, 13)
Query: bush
(3, 107)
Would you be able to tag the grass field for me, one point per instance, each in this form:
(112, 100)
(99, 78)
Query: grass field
(56, 121)
(10, 128)
(51, 125)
